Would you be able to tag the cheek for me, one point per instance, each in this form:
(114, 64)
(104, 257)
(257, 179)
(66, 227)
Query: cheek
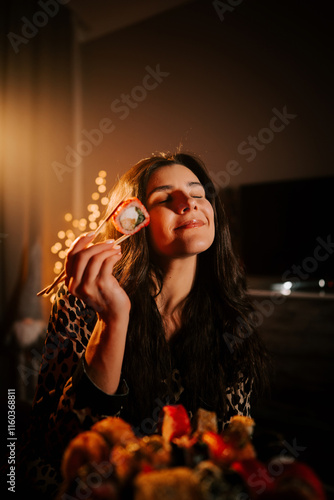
(209, 213)
(155, 232)
(158, 229)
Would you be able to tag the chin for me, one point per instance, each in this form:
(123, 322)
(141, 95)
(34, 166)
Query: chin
(182, 248)
(194, 248)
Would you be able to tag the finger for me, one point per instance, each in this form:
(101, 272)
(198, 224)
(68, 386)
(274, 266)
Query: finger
(107, 268)
(98, 281)
(94, 267)
(107, 285)
(86, 266)
(83, 248)
(79, 244)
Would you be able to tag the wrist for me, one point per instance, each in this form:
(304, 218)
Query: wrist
(114, 315)
(105, 351)
(112, 320)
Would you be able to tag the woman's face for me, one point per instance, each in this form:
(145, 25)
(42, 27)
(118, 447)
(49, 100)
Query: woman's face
(182, 219)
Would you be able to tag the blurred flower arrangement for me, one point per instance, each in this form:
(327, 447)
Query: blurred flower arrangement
(76, 226)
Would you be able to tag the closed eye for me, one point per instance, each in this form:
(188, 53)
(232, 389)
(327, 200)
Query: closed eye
(169, 198)
(197, 194)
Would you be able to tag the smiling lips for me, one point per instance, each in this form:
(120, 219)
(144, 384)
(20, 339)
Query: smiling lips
(190, 224)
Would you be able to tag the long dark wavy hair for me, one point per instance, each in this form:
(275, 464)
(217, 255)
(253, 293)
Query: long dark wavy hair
(217, 343)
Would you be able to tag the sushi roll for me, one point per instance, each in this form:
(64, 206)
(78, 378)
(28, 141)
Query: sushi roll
(130, 216)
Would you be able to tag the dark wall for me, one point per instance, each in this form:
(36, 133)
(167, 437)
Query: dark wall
(227, 82)
(299, 335)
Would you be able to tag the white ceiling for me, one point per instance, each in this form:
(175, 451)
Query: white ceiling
(99, 17)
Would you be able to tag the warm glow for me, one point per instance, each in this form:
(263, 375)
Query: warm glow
(92, 207)
(82, 224)
(91, 222)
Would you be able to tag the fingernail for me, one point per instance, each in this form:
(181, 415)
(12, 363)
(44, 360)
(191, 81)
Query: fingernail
(89, 235)
(109, 241)
(117, 247)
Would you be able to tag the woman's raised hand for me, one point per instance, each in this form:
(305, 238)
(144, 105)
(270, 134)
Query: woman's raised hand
(89, 269)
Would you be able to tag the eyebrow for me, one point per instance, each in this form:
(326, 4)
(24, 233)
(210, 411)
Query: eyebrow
(167, 187)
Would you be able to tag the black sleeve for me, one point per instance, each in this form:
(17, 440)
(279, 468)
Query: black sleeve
(89, 394)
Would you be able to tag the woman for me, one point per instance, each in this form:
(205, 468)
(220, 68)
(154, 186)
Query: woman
(165, 319)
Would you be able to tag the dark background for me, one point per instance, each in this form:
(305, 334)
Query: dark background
(225, 78)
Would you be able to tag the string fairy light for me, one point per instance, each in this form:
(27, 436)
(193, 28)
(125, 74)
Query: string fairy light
(66, 237)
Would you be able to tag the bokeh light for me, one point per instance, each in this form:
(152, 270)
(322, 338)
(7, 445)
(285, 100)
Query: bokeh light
(70, 234)
(61, 248)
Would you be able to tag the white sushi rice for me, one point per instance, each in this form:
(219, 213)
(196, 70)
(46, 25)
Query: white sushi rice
(128, 218)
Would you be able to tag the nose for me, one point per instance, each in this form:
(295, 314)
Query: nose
(186, 203)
